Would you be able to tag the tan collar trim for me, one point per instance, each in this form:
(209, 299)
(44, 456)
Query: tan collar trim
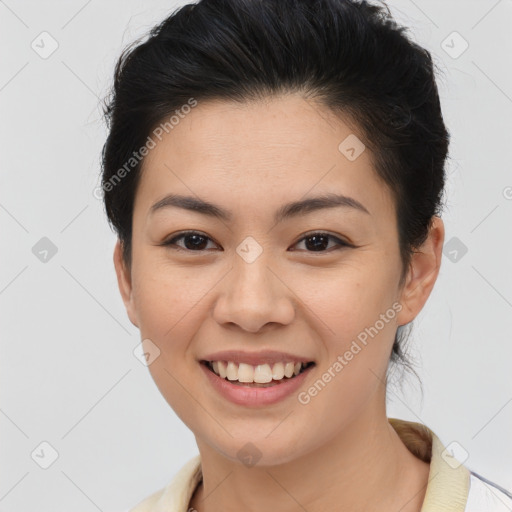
(448, 480)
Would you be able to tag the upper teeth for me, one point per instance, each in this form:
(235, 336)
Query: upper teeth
(261, 373)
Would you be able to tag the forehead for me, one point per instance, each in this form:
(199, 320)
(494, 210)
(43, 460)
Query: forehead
(276, 149)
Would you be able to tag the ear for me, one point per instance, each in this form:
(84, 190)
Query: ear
(422, 273)
(124, 283)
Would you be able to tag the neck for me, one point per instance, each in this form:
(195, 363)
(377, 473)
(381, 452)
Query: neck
(365, 467)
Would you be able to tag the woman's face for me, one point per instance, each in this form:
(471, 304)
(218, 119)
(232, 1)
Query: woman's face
(257, 280)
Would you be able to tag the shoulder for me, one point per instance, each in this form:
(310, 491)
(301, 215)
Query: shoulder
(487, 496)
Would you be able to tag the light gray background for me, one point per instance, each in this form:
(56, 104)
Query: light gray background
(68, 373)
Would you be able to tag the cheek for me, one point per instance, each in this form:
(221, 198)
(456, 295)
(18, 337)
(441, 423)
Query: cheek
(167, 299)
(348, 298)
(171, 307)
(354, 311)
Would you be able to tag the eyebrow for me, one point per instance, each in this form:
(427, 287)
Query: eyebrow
(287, 211)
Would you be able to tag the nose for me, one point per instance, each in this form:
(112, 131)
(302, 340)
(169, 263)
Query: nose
(253, 295)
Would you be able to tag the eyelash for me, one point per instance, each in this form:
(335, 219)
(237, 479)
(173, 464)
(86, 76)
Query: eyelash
(171, 243)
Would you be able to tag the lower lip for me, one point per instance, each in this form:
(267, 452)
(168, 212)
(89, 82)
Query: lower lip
(244, 395)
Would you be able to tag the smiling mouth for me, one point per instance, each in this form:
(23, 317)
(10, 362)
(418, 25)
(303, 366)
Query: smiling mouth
(260, 376)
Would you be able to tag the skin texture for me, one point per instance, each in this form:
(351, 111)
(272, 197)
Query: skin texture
(337, 452)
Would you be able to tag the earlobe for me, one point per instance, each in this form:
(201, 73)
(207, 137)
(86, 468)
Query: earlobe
(422, 274)
(124, 283)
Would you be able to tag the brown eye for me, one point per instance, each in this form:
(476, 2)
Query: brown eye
(319, 242)
(192, 241)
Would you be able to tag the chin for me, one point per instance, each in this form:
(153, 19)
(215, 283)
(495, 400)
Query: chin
(257, 450)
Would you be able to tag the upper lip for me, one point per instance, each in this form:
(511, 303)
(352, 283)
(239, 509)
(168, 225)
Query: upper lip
(256, 358)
